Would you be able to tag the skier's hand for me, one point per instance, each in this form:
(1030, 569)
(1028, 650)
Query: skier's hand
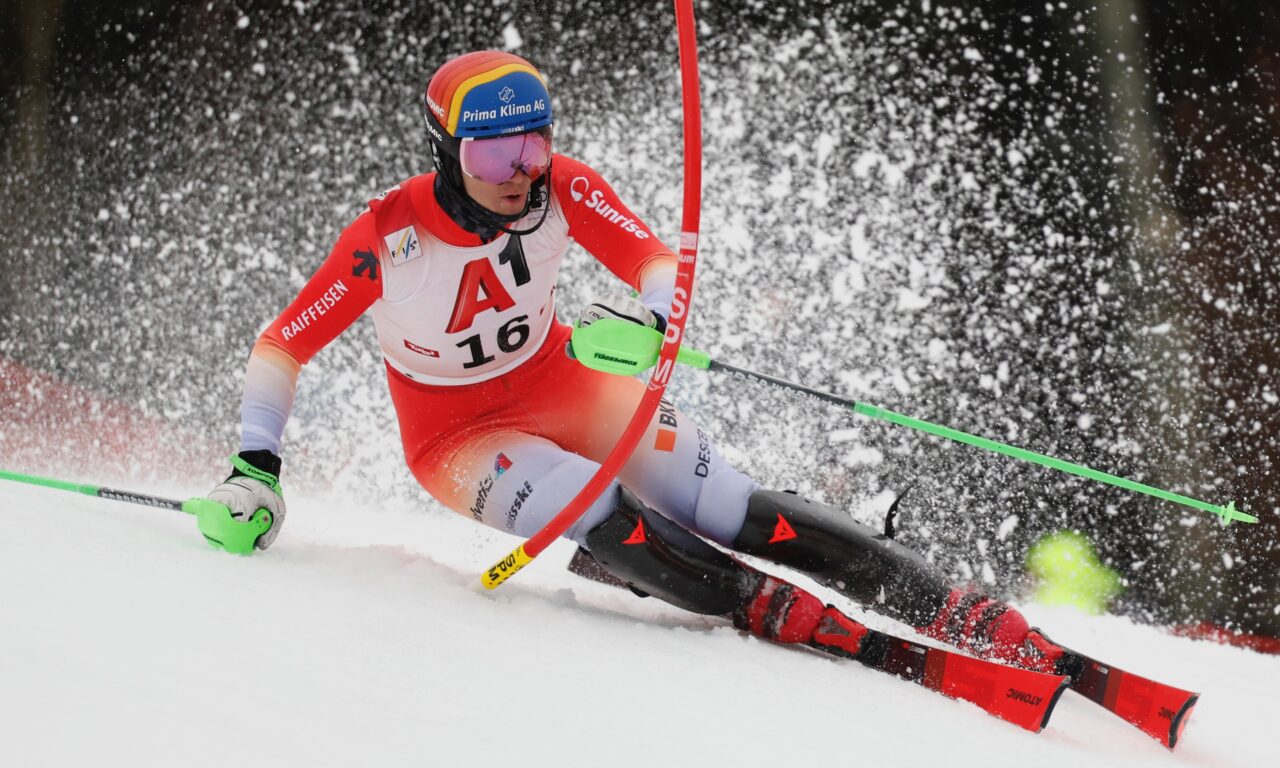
(254, 484)
(622, 307)
(617, 347)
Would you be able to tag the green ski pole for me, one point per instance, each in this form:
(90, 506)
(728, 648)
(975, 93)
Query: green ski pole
(618, 346)
(214, 520)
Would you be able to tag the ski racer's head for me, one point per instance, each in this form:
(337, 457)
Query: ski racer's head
(489, 122)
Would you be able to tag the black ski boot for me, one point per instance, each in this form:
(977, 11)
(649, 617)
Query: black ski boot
(886, 577)
(843, 554)
(654, 556)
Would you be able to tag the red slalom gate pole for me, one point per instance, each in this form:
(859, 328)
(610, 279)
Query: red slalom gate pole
(688, 258)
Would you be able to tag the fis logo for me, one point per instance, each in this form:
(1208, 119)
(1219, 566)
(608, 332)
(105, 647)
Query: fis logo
(501, 464)
(403, 245)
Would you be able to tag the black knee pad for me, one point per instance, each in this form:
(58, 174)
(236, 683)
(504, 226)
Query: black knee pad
(843, 554)
(655, 556)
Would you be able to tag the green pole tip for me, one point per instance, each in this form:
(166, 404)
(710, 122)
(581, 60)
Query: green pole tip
(1229, 513)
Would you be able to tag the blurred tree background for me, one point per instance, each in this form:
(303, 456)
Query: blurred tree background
(1052, 223)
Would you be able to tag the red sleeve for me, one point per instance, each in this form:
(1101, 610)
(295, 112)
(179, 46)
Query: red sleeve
(599, 221)
(345, 285)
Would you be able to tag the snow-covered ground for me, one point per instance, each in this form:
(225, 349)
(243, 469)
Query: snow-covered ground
(359, 639)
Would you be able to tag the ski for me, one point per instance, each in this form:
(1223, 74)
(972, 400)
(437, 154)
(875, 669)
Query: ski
(1023, 697)
(1158, 710)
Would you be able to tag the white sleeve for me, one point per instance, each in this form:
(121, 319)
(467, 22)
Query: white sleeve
(270, 379)
(658, 288)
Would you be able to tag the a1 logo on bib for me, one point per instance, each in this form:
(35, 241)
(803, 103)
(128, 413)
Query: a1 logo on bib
(403, 245)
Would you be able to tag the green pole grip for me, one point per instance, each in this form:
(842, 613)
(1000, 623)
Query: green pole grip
(625, 348)
(693, 358)
(223, 531)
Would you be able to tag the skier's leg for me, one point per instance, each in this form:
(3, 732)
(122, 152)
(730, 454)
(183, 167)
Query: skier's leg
(512, 481)
(886, 576)
(655, 556)
(678, 470)
(675, 468)
(841, 553)
(517, 482)
(556, 420)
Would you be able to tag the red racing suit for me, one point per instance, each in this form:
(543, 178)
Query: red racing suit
(496, 421)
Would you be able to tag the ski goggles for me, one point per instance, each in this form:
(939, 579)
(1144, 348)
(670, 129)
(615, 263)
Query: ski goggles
(495, 161)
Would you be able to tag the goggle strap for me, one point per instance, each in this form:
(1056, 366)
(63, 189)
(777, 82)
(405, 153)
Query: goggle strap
(450, 144)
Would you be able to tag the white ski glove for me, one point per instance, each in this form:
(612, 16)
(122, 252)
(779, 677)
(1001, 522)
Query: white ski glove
(622, 307)
(250, 488)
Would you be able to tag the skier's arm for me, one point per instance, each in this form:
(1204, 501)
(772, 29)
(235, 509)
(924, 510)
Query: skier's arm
(270, 379)
(601, 223)
(345, 285)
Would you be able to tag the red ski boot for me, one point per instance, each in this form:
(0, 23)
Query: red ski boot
(992, 629)
(779, 611)
(783, 612)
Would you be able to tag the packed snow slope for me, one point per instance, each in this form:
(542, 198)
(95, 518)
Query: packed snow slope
(359, 639)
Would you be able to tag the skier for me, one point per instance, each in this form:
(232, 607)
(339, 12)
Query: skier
(459, 267)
